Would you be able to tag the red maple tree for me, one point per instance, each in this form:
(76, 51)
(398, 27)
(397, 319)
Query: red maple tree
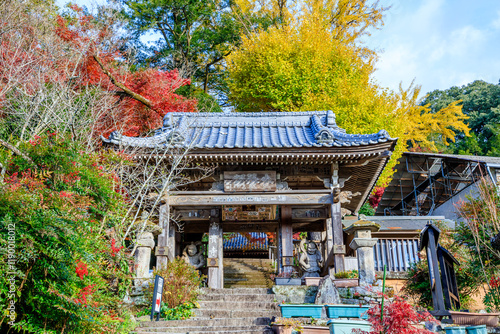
(143, 97)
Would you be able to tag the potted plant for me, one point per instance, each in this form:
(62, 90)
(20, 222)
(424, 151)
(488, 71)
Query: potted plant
(345, 279)
(286, 325)
(347, 311)
(286, 278)
(312, 281)
(315, 329)
(301, 310)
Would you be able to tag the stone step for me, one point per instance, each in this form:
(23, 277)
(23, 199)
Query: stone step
(236, 305)
(230, 313)
(236, 291)
(204, 329)
(254, 321)
(237, 297)
(240, 284)
(246, 271)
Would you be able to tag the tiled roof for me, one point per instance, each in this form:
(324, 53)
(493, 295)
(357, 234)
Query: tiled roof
(239, 242)
(250, 130)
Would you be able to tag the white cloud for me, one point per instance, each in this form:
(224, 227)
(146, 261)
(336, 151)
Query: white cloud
(496, 22)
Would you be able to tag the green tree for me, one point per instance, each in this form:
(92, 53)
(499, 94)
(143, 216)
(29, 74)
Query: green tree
(481, 102)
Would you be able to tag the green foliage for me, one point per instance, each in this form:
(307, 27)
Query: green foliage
(481, 102)
(479, 235)
(68, 276)
(180, 312)
(181, 285)
(468, 275)
(367, 210)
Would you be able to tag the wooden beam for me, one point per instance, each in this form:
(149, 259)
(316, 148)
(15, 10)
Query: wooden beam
(289, 198)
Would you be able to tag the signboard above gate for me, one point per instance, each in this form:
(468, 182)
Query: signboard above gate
(262, 181)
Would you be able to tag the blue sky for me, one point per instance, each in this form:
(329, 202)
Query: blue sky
(437, 43)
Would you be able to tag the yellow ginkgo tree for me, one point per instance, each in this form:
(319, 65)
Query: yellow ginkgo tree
(311, 59)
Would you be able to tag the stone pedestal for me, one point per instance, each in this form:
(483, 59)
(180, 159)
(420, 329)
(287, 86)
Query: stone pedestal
(145, 243)
(363, 245)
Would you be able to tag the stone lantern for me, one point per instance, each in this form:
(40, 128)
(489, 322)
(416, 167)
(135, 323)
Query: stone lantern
(363, 245)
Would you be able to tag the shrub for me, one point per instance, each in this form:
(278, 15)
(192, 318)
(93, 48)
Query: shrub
(347, 274)
(468, 277)
(399, 318)
(181, 285)
(67, 277)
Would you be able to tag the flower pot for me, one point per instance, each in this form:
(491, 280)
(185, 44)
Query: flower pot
(346, 282)
(301, 310)
(481, 329)
(346, 311)
(468, 318)
(312, 281)
(281, 329)
(347, 326)
(455, 330)
(315, 330)
(287, 281)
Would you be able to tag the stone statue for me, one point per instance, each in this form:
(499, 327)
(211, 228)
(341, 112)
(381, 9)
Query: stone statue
(192, 256)
(310, 260)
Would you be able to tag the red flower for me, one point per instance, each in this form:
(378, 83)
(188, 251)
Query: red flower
(81, 269)
(114, 250)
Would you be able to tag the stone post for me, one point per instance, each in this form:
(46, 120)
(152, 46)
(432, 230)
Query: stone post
(363, 245)
(145, 243)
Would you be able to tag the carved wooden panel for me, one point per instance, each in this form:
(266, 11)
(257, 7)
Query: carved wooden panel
(260, 181)
(248, 212)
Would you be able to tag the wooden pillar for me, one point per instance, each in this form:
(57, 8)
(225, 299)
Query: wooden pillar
(329, 245)
(214, 261)
(162, 245)
(338, 237)
(286, 239)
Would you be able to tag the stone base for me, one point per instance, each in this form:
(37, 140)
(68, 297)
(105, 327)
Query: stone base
(295, 294)
(364, 294)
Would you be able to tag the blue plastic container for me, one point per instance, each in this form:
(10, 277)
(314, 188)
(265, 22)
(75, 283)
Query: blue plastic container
(339, 326)
(481, 329)
(347, 311)
(456, 330)
(301, 310)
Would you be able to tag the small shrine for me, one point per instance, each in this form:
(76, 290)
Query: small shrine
(279, 172)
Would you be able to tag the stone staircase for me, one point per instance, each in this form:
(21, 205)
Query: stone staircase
(247, 273)
(223, 311)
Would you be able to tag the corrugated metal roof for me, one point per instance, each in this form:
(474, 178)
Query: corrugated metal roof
(474, 158)
(238, 242)
(251, 130)
(402, 223)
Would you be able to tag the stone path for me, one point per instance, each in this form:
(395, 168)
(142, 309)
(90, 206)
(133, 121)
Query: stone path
(224, 311)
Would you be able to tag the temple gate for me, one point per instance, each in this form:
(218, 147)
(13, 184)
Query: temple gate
(280, 172)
